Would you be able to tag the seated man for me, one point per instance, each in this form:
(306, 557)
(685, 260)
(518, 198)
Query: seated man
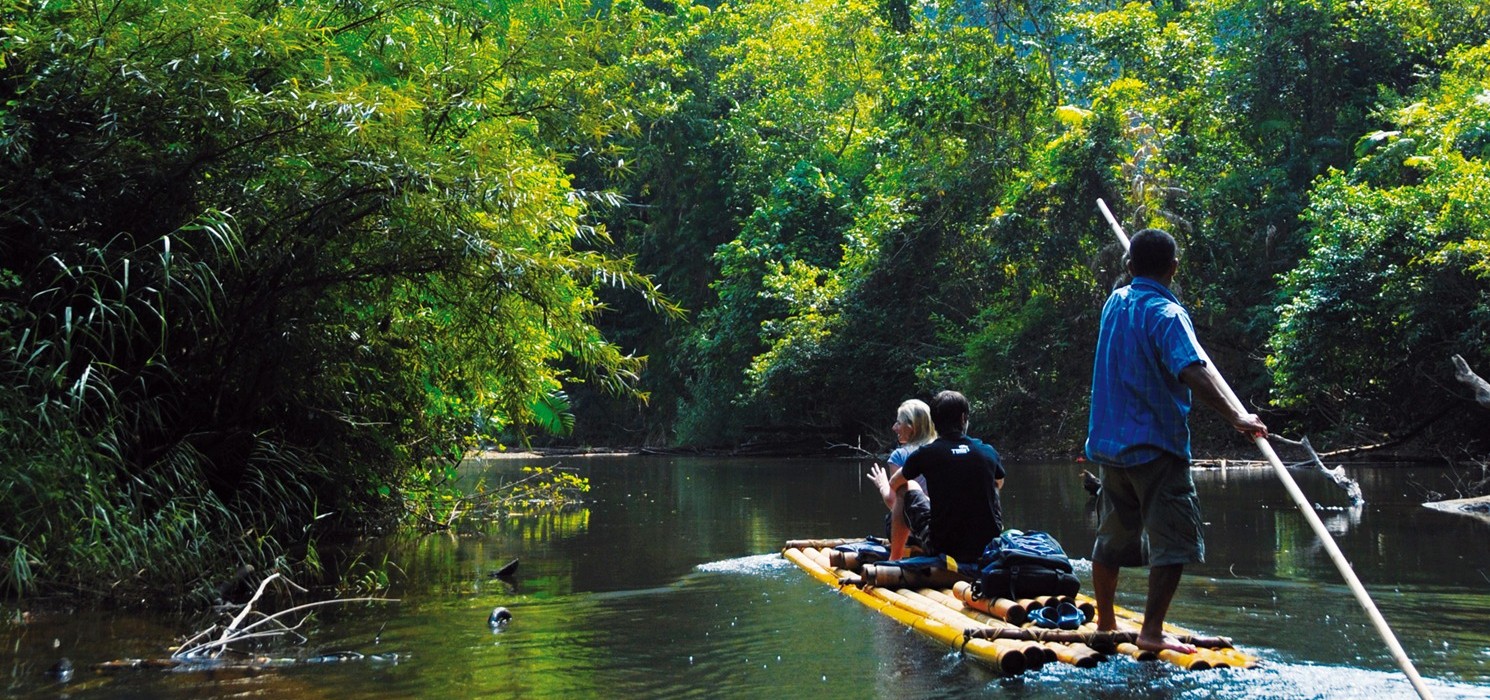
(963, 475)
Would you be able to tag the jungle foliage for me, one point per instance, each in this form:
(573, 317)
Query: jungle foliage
(270, 268)
(867, 201)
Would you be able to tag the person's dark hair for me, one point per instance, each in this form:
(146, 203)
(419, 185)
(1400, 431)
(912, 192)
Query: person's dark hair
(1151, 252)
(948, 409)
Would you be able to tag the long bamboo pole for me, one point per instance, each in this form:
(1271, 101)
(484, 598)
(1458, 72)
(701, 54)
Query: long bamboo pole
(1315, 523)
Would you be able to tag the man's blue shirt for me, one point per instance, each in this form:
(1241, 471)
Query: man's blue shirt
(1139, 405)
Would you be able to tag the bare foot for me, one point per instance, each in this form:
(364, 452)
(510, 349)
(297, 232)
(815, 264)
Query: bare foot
(1162, 643)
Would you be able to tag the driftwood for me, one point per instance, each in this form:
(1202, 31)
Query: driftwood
(1464, 374)
(1478, 508)
(1336, 475)
(212, 648)
(856, 451)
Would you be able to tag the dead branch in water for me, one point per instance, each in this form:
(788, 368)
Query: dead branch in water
(195, 653)
(233, 634)
(857, 450)
(1336, 475)
(1464, 374)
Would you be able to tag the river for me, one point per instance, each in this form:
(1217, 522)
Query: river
(667, 583)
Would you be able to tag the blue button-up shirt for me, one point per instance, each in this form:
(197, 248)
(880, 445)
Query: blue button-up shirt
(1139, 405)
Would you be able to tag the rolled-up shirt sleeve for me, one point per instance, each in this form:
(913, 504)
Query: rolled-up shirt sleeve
(1178, 346)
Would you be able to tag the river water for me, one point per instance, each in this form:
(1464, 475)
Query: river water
(667, 583)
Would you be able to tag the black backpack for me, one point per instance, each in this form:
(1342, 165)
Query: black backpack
(1024, 564)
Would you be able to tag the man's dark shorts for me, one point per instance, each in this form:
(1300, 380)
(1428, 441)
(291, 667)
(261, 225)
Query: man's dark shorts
(1149, 515)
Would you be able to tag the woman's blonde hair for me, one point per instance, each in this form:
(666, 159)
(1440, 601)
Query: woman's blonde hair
(916, 414)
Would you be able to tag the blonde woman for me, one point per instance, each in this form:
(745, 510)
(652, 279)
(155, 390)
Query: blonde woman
(913, 428)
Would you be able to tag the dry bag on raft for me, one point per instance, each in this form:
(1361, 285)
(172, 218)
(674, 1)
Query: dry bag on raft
(867, 552)
(1024, 564)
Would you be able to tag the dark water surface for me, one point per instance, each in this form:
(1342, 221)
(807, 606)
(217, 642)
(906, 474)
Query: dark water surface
(667, 584)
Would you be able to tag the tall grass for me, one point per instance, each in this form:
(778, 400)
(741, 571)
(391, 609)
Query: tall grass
(99, 493)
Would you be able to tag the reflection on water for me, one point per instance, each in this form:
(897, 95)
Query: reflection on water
(1338, 521)
(667, 585)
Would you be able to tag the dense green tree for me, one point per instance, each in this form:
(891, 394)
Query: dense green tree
(949, 238)
(269, 262)
(1395, 281)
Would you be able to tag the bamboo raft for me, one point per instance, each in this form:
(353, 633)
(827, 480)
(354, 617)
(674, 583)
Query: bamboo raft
(997, 633)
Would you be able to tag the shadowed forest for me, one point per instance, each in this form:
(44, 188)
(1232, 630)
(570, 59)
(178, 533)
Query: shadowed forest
(268, 270)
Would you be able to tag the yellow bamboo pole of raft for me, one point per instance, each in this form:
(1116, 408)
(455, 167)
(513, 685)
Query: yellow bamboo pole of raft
(1228, 656)
(1000, 657)
(1315, 523)
(1035, 655)
(1078, 655)
(1006, 656)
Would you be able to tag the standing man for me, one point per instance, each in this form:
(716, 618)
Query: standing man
(963, 478)
(1148, 363)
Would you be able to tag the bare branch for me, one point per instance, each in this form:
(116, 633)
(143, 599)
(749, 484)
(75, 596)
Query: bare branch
(1464, 374)
(1336, 475)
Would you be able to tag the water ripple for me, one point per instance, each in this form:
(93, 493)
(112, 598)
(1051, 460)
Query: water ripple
(754, 564)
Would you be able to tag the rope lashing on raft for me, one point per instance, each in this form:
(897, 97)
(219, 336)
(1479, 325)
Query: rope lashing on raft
(1093, 638)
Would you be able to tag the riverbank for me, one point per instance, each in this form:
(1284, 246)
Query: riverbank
(1238, 456)
(551, 452)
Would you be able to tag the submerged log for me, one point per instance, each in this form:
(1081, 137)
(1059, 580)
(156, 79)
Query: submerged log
(1478, 507)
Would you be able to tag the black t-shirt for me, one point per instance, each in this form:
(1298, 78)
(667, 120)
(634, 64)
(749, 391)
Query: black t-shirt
(961, 475)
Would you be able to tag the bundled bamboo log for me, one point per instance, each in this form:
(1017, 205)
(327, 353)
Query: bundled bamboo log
(1009, 611)
(816, 544)
(1094, 637)
(1133, 650)
(853, 561)
(1083, 657)
(1002, 655)
(1029, 657)
(1035, 655)
(981, 629)
(888, 575)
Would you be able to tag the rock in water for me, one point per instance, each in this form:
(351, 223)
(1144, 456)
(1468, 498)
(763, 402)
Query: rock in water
(61, 671)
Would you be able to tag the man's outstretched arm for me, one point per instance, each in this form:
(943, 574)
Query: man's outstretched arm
(1206, 382)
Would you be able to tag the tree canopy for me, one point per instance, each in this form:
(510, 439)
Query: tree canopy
(270, 262)
(265, 265)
